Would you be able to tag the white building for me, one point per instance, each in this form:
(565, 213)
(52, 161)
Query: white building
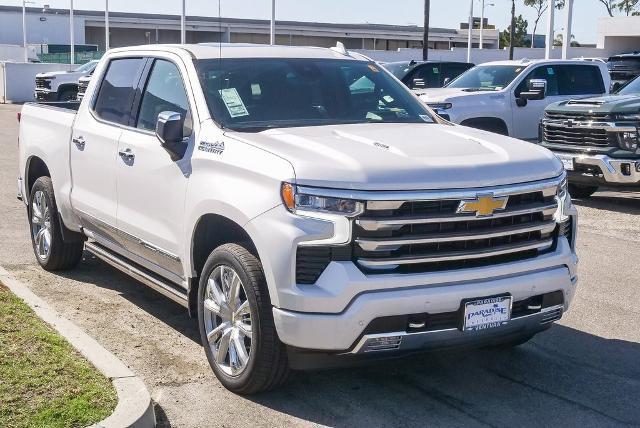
(619, 34)
(52, 27)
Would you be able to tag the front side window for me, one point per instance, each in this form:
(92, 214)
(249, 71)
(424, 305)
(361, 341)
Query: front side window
(580, 80)
(251, 94)
(487, 77)
(164, 92)
(118, 89)
(631, 88)
(548, 73)
(425, 76)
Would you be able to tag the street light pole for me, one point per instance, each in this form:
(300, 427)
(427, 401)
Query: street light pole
(71, 35)
(425, 34)
(183, 23)
(24, 30)
(567, 29)
(470, 32)
(272, 32)
(482, 25)
(106, 25)
(550, 34)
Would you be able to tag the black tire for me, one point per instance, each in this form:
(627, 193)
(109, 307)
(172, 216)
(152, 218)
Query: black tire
(62, 254)
(68, 95)
(582, 191)
(268, 366)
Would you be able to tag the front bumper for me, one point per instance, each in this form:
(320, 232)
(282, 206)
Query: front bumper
(611, 170)
(343, 333)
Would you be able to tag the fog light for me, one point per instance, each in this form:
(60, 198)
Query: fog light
(638, 166)
(625, 168)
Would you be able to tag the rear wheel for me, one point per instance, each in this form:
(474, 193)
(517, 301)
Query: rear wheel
(582, 191)
(51, 251)
(236, 323)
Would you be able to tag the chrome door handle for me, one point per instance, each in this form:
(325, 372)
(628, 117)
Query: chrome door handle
(126, 154)
(79, 142)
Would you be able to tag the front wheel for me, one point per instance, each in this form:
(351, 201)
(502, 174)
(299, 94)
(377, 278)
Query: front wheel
(236, 322)
(582, 191)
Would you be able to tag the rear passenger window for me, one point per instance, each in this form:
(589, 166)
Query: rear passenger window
(164, 92)
(118, 90)
(579, 80)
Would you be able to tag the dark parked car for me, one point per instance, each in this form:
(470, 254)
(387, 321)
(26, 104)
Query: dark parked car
(623, 68)
(429, 74)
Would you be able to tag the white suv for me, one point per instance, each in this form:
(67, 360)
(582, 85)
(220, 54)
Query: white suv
(509, 97)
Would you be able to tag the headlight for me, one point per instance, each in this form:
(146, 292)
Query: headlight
(564, 201)
(295, 201)
(563, 188)
(440, 106)
(629, 140)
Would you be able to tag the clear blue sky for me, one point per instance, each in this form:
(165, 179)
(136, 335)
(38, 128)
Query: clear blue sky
(444, 13)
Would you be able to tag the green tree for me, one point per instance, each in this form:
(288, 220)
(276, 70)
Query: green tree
(519, 34)
(540, 6)
(628, 7)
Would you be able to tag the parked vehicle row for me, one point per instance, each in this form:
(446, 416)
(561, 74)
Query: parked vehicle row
(623, 68)
(303, 204)
(61, 85)
(427, 74)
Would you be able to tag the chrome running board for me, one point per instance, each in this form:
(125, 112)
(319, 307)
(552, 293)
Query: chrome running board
(160, 285)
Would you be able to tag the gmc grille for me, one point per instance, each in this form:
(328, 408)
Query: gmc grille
(43, 83)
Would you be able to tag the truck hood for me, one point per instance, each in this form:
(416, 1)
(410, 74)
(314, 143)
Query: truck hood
(452, 94)
(604, 104)
(404, 156)
(59, 73)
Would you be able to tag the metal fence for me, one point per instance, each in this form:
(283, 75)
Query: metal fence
(65, 58)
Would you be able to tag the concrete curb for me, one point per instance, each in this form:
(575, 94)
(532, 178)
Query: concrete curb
(134, 408)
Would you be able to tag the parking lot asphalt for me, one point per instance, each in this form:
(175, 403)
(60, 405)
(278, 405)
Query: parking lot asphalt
(584, 371)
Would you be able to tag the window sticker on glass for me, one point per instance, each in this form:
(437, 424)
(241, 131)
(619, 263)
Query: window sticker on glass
(233, 102)
(550, 71)
(373, 68)
(256, 90)
(436, 70)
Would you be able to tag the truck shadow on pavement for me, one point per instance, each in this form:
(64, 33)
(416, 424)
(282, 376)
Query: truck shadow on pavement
(562, 377)
(625, 202)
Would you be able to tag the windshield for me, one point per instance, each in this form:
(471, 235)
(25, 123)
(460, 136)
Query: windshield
(398, 69)
(631, 88)
(253, 94)
(86, 68)
(488, 78)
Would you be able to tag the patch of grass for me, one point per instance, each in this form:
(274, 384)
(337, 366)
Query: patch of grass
(44, 381)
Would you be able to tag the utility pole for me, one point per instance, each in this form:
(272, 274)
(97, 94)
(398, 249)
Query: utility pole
(272, 31)
(24, 30)
(106, 25)
(550, 29)
(71, 36)
(567, 29)
(513, 27)
(469, 43)
(425, 35)
(183, 23)
(481, 26)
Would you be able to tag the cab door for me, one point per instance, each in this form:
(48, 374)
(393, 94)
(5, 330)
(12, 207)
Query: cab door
(94, 148)
(152, 180)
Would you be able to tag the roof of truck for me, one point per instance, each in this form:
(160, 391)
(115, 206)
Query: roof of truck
(527, 62)
(245, 50)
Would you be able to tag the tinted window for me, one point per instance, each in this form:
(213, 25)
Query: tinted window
(164, 92)
(631, 88)
(424, 76)
(257, 93)
(399, 69)
(487, 77)
(451, 71)
(118, 90)
(548, 73)
(579, 80)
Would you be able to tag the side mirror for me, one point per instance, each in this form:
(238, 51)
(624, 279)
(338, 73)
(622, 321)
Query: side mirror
(170, 128)
(447, 80)
(537, 90)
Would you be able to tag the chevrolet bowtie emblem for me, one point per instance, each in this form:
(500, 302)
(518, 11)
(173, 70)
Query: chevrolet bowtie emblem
(483, 206)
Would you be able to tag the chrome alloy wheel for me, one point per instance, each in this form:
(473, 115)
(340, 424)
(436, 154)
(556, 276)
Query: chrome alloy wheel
(227, 320)
(41, 225)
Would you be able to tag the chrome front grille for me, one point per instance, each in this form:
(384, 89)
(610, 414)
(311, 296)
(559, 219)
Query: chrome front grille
(559, 134)
(578, 117)
(430, 235)
(43, 83)
(82, 89)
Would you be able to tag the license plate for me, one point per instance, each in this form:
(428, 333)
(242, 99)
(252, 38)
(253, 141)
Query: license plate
(567, 161)
(487, 313)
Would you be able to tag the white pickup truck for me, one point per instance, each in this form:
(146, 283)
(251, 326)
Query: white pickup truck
(303, 203)
(509, 97)
(61, 85)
